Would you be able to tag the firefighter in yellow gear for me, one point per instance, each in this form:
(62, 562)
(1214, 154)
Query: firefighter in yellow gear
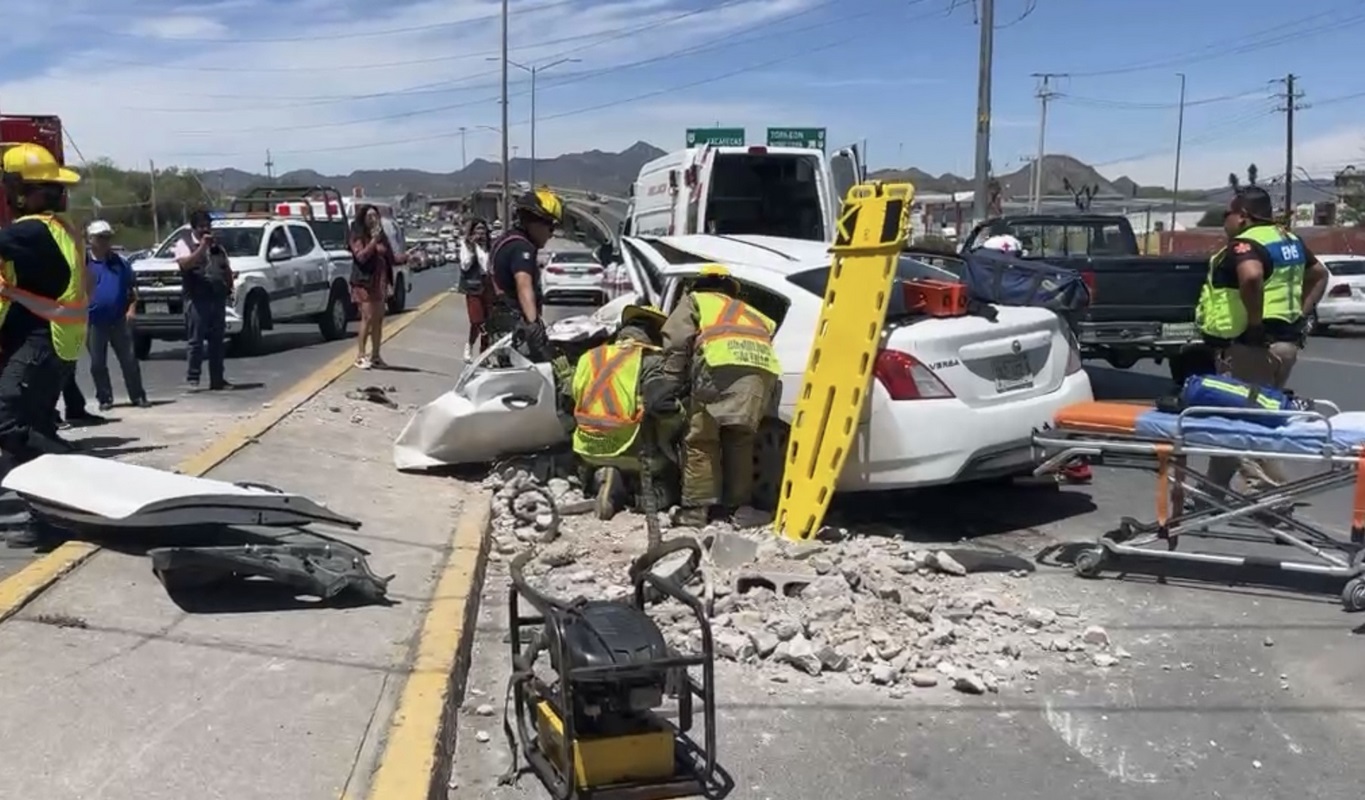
(43, 301)
(615, 435)
(718, 352)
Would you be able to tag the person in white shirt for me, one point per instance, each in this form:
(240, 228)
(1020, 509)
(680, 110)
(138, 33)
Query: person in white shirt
(474, 283)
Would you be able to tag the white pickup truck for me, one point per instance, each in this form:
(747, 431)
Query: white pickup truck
(282, 274)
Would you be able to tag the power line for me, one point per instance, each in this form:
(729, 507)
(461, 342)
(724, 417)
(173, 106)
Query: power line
(585, 110)
(1215, 132)
(724, 42)
(1098, 102)
(1279, 34)
(715, 43)
(431, 26)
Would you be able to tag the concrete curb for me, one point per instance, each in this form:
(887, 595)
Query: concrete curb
(419, 746)
(19, 589)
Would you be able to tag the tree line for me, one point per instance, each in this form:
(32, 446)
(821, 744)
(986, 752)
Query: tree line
(124, 199)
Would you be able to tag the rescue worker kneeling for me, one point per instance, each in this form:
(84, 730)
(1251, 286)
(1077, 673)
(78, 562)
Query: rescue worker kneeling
(616, 434)
(721, 349)
(43, 305)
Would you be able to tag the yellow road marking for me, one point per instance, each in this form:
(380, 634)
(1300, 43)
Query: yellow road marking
(19, 589)
(419, 745)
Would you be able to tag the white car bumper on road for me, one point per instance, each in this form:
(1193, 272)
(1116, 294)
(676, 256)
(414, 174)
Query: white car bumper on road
(932, 442)
(1343, 311)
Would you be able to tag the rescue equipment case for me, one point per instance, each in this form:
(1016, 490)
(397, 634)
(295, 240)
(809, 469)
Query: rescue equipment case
(994, 277)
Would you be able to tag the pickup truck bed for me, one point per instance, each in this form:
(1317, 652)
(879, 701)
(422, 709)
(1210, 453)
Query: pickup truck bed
(1141, 306)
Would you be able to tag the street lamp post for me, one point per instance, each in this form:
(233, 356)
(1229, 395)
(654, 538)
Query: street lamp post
(506, 190)
(533, 71)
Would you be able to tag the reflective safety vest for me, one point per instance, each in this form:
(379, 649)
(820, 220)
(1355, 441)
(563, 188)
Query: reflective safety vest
(607, 408)
(67, 314)
(732, 334)
(1221, 312)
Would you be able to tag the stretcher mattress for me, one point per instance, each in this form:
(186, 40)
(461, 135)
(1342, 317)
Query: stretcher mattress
(1145, 422)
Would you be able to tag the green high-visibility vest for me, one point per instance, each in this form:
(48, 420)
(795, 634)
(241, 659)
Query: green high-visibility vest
(67, 314)
(1221, 313)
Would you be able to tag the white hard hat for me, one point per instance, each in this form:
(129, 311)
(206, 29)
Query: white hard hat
(99, 228)
(1004, 243)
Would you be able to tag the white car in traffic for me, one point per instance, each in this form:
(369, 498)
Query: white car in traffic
(573, 277)
(1344, 301)
(953, 399)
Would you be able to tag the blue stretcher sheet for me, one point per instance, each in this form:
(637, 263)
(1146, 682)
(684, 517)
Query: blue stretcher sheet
(1348, 433)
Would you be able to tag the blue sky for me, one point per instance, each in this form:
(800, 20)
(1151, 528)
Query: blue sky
(337, 85)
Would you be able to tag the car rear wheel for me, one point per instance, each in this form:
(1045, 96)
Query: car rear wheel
(336, 317)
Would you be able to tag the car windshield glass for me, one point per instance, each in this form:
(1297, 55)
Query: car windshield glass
(1065, 238)
(815, 280)
(769, 195)
(331, 234)
(1346, 267)
(237, 242)
(572, 258)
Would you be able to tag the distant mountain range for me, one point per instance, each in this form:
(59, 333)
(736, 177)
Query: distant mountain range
(612, 173)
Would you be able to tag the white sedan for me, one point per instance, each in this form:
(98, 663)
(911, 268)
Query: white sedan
(1344, 301)
(573, 277)
(953, 399)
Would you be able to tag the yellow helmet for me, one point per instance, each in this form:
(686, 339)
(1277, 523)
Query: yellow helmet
(716, 276)
(542, 203)
(649, 316)
(33, 163)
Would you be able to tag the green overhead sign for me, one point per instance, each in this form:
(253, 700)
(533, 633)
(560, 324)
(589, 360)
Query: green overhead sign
(721, 137)
(813, 138)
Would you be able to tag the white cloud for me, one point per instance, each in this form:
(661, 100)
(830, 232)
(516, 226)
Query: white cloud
(1208, 165)
(174, 96)
(178, 26)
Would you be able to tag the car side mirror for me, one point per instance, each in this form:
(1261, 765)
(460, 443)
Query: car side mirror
(278, 253)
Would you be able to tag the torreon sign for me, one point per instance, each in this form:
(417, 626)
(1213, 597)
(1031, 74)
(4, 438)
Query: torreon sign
(813, 138)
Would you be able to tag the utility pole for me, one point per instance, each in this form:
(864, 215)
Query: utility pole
(981, 182)
(464, 162)
(533, 71)
(1045, 94)
(1179, 145)
(156, 223)
(506, 190)
(269, 166)
(1291, 99)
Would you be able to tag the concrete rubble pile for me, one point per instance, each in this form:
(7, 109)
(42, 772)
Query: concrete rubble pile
(866, 610)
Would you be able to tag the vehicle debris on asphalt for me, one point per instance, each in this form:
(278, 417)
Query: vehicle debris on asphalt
(866, 610)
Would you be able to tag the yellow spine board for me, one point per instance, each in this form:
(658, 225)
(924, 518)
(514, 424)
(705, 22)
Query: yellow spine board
(873, 226)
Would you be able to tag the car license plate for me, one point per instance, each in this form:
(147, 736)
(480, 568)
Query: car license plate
(1012, 372)
(157, 308)
(1179, 331)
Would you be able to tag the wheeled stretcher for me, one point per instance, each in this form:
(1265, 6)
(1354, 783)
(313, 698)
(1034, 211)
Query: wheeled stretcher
(1189, 504)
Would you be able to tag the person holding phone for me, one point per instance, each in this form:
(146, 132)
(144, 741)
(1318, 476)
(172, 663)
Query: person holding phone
(475, 285)
(371, 275)
(206, 280)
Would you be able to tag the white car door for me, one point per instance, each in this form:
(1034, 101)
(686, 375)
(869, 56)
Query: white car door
(286, 288)
(310, 273)
(492, 412)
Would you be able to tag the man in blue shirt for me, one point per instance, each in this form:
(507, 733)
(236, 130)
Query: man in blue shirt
(112, 303)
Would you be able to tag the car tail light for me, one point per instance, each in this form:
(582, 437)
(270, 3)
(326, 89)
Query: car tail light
(594, 270)
(1088, 275)
(1073, 352)
(555, 270)
(905, 378)
(1340, 290)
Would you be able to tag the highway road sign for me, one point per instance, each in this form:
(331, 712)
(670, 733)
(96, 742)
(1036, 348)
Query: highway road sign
(721, 137)
(813, 138)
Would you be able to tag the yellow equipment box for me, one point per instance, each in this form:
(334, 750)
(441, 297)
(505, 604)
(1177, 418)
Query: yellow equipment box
(873, 226)
(644, 754)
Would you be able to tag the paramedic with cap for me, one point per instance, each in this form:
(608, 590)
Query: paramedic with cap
(43, 306)
(518, 295)
(1261, 288)
(112, 303)
(609, 387)
(718, 350)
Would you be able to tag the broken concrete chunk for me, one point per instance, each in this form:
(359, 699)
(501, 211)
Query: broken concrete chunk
(733, 645)
(923, 680)
(969, 683)
(1039, 617)
(944, 562)
(1095, 635)
(800, 653)
(882, 674)
(730, 550)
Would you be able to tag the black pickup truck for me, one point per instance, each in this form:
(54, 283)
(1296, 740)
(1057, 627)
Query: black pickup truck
(1140, 307)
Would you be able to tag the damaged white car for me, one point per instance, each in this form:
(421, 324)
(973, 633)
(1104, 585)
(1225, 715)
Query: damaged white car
(954, 399)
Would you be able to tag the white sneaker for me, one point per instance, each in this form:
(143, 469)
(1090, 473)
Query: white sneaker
(468, 352)
(363, 363)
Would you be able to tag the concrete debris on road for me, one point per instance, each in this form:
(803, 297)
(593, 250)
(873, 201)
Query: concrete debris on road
(865, 610)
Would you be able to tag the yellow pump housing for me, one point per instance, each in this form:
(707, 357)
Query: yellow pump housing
(872, 229)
